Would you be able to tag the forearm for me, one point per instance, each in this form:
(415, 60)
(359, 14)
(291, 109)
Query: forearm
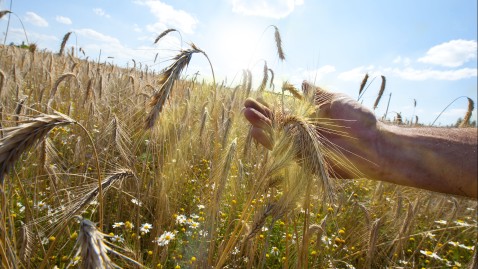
(436, 159)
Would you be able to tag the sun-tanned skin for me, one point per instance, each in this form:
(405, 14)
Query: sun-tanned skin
(437, 159)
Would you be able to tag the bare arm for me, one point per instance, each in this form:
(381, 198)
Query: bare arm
(436, 159)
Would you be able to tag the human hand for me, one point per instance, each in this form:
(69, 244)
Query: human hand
(347, 129)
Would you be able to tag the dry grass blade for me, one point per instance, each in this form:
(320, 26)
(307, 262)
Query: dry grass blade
(278, 40)
(63, 42)
(165, 32)
(380, 93)
(469, 111)
(18, 139)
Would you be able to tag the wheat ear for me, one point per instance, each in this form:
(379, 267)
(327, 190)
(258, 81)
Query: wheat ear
(167, 80)
(286, 86)
(278, 40)
(63, 43)
(467, 117)
(165, 32)
(364, 82)
(18, 139)
(265, 78)
(2, 81)
(4, 12)
(380, 93)
(57, 83)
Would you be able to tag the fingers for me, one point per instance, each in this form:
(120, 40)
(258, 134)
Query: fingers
(262, 137)
(259, 105)
(258, 119)
(259, 115)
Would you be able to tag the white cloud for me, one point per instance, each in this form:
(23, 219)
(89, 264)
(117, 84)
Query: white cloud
(34, 19)
(137, 29)
(63, 20)
(100, 12)
(17, 35)
(97, 36)
(319, 73)
(168, 16)
(453, 53)
(402, 60)
(276, 9)
(93, 42)
(358, 73)
(426, 74)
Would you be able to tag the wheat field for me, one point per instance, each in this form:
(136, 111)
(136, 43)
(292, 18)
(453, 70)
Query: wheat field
(106, 166)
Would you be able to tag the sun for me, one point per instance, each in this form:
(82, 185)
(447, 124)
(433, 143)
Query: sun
(237, 45)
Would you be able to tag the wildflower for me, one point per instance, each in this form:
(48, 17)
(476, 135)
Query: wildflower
(430, 235)
(128, 225)
(194, 216)
(201, 207)
(118, 224)
(181, 219)
(165, 238)
(235, 251)
(430, 254)
(275, 251)
(193, 225)
(203, 233)
(264, 229)
(462, 223)
(146, 227)
(74, 235)
(42, 205)
(136, 202)
(117, 238)
(443, 222)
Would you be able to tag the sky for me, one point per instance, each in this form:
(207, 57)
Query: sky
(427, 49)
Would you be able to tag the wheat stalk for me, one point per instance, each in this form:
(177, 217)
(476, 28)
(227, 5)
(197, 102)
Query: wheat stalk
(20, 138)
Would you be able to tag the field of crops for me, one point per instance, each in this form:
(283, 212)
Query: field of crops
(103, 165)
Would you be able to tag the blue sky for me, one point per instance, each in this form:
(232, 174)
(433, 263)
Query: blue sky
(426, 49)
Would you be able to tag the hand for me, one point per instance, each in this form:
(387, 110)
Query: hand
(346, 128)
